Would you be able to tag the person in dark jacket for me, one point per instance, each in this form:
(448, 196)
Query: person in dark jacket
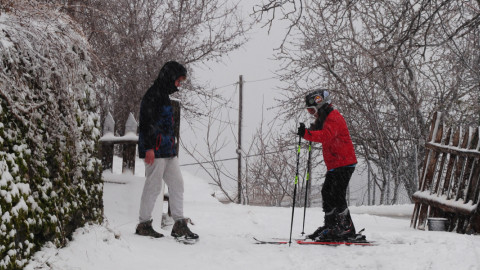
(157, 145)
(331, 130)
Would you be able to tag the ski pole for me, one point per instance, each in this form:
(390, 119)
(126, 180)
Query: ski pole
(309, 162)
(295, 189)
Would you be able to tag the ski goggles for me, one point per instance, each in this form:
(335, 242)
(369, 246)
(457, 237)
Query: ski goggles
(312, 110)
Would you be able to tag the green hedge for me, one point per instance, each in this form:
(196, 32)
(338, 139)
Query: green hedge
(50, 176)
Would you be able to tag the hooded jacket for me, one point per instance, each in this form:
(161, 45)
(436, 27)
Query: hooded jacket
(156, 127)
(338, 150)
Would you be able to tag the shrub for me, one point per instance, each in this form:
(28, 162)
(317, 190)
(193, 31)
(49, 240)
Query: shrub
(50, 176)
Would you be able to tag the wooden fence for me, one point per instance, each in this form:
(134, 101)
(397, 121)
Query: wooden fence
(449, 183)
(128, 141)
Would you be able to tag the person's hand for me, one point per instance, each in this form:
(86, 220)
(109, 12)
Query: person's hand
(301, 130)
(149, 157)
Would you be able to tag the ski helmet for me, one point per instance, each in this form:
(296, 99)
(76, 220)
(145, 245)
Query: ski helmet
(317, 99)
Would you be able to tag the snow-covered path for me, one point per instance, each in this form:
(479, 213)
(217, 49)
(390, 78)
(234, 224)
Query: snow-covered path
(226, 232)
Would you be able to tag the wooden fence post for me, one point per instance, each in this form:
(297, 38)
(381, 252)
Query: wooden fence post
(129, 145)
(430, 174)
(106, 148)
(421, 210)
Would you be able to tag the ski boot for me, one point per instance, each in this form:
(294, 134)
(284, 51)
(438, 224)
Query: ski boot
(181, 231)
(346, 229)
(146, 229)
(341, 231)
(329, 222)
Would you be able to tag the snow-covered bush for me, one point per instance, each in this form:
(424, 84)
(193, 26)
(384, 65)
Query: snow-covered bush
(50, 180)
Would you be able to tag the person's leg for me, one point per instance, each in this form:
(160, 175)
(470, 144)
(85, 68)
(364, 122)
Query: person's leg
(328, 199)
(151, 189)
(338, 223)
(329, 188)
(334, 191)
(345, 222)
(174, 180)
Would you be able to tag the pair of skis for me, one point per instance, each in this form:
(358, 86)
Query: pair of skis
(358, 240)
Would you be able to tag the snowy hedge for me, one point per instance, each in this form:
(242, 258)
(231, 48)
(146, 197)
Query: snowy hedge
(50, 180)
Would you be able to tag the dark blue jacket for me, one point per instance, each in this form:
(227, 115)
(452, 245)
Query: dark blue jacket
(156, 114)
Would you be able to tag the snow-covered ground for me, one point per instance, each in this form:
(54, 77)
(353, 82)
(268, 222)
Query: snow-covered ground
(226, 232)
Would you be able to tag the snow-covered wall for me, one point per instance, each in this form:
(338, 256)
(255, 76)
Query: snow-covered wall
(50, 179)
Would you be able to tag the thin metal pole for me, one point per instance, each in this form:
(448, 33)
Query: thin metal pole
(239, 148)
(368, 184)
(307, 184)
(295, 189)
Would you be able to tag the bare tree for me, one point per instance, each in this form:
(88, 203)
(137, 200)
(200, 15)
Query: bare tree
(390, 65)
(289, 10)
(271, 167)
(270, 171)
(134, 38)
(207, 154)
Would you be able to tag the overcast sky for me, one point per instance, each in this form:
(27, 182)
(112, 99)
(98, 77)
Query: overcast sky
(255, 62)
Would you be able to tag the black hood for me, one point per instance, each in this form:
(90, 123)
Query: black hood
(170, 72)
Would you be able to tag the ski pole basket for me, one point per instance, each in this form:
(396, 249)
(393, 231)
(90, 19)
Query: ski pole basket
(450, 179)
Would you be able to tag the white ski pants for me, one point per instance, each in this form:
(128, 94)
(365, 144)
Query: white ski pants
(166, 169)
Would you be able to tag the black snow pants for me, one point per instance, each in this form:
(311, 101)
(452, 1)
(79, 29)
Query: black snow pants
(334, 191)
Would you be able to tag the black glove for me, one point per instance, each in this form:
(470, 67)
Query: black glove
(301, 130)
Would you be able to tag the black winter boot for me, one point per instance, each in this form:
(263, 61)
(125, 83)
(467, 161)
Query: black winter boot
(346, 229)
(329, 222)
(180, 229)
(146, 229)
(342, 230)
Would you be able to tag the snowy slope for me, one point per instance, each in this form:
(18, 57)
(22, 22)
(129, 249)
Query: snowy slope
(226, 233)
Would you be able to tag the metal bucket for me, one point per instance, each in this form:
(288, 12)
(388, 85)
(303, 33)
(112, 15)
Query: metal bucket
(437, 224)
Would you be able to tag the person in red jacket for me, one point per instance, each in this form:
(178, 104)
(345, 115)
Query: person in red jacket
(331, 130)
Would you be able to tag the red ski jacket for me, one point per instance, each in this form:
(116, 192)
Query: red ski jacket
(338, 148)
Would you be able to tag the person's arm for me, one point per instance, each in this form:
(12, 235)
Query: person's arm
(146, 128)
(321, 136)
